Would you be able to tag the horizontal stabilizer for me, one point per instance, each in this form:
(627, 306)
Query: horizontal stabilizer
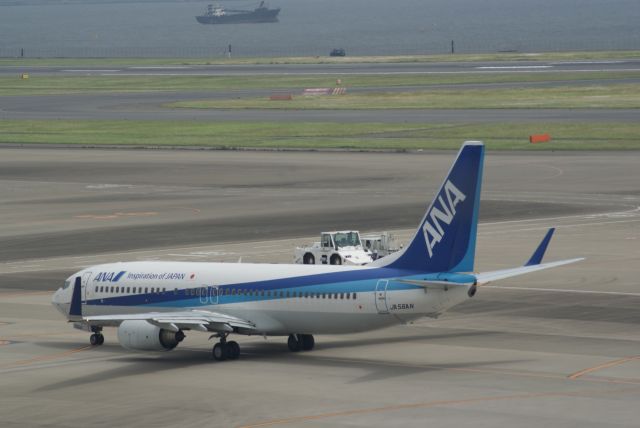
(434, 285)
(486, 277)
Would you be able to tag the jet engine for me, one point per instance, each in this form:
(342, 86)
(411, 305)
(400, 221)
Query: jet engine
(139, 335)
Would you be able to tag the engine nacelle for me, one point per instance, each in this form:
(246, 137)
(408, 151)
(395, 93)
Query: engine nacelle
(139, 335)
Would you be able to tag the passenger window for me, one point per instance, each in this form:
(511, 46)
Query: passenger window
(342, 295)
(117, 289)
(335, 296)
(348, 296)
(146, 290)
(354, 296)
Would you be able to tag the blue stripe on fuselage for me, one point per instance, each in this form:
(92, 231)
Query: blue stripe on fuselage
(334, 282)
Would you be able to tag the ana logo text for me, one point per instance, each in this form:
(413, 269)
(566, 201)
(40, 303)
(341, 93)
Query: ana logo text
(432, 228)
(109, 276)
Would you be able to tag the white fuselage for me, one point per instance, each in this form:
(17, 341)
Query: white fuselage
(278, 299)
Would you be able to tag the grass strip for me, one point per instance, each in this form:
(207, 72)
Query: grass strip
(303, 135)
(51, 85)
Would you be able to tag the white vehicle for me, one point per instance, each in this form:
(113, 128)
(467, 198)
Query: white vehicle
(334, 248)
(152, 304)
(380, 244)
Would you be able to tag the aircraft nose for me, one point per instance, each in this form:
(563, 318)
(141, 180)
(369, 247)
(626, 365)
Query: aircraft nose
(57, 301)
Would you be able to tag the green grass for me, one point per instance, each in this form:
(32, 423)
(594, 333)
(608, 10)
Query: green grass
(106, 62)
(48, 85)
(360, 136)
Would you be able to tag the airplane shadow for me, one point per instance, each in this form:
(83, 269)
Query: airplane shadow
(274, 353)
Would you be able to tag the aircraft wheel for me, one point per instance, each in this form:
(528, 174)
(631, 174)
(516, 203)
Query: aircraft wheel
(100, 338)
(308, 342)
(233, 350)
(219, 353)
(293, 343)
(93, 340)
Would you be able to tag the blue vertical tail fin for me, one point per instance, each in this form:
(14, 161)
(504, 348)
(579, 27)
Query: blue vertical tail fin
(445, 240)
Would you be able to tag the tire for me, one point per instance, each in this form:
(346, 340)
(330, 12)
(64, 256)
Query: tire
(308, 342)
(93, 340)
(219, 353)
(309, 259)
(293, 343)
(336, 260)
(100, 339)
(233, 350)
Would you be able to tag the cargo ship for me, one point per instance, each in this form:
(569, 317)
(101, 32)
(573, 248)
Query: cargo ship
(220, 15)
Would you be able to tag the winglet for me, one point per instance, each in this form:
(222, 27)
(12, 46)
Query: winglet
(75, 309)
(537, 256)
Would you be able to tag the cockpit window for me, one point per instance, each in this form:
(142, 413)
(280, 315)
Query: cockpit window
(66, 285)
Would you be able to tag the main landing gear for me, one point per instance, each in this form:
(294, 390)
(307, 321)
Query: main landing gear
(300, 342)
(224, 350)
(96, 339)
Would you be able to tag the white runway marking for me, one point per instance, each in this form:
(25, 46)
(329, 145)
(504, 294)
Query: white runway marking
(554, 290)
(90, 71)
(371, 73)
(635, 210)
(514, 67)
(160, 67)
(586, 62)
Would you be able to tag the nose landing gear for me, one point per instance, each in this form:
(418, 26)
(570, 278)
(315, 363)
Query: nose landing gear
(96, 339)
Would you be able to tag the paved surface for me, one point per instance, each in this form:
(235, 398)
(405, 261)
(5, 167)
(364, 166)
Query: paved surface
(150, 105)
(558, 348)
(346, 68)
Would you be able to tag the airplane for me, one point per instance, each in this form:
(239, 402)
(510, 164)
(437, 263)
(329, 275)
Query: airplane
(154, 303)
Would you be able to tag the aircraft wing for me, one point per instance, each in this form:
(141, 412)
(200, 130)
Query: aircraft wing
(188, 320)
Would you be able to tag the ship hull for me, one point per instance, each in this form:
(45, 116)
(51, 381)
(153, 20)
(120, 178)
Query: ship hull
(270, 15)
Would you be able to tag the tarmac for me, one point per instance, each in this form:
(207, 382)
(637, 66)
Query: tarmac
(558, 348)
(152, 105)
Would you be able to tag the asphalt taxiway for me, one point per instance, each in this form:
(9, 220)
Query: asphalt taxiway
(559, 348)
(342, 67)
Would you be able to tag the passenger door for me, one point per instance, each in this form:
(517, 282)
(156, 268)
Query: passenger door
(381, 296)
(84, 285)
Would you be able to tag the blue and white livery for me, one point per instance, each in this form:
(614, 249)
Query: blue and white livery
(153, 304)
